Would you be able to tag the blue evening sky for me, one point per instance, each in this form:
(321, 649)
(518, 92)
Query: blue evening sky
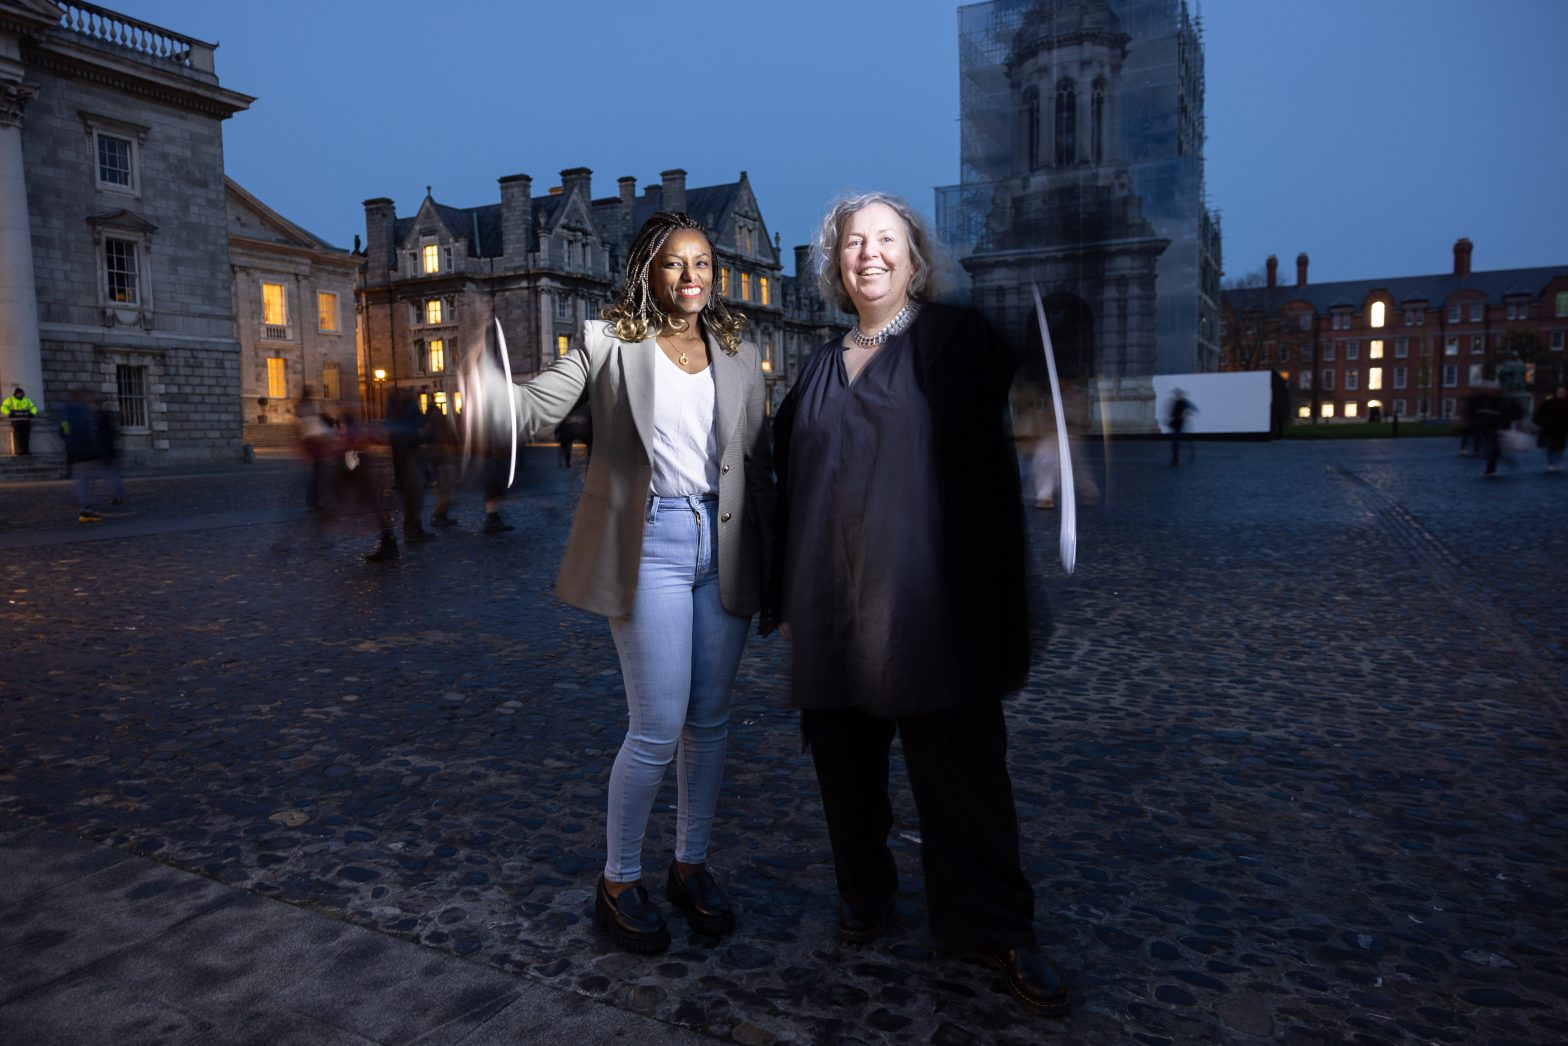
(1369, 133)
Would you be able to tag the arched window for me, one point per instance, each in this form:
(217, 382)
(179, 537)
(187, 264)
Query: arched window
(1097, 123)
(1032, 125)
(1066, 123)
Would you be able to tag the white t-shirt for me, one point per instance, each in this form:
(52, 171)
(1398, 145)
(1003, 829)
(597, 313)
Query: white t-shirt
(685, 447)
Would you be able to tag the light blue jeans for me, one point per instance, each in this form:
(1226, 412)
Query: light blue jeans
(680, 650)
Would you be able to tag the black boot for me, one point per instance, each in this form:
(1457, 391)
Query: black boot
(698, 895)
(630, 919)
(1030, 978)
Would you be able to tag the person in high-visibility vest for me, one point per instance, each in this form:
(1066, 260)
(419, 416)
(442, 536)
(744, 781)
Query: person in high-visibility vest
(20, 410)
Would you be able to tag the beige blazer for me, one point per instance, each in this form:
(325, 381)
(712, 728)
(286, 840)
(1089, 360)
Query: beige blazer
(599, 571)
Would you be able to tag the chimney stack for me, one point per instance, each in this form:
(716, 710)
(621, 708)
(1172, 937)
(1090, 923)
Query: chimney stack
(654, 194)
(803, 262)
(517, 219)
(1462, 249)
(628, 188)
(579, 178)
(1301, 269)
(380, 218)
(674, 189)
(1272, 265)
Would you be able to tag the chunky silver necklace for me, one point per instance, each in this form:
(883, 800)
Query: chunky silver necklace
(899, 323)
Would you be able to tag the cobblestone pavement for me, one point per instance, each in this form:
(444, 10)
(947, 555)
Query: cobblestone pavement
(1290, 767)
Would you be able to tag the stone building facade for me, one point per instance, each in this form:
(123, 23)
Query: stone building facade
(111, 161)
(1402, 346)
(433, 283)
(1082, 163)
(293, 317)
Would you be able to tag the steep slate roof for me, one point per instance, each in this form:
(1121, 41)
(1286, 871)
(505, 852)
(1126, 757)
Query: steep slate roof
(480, 226)
(1434, 290)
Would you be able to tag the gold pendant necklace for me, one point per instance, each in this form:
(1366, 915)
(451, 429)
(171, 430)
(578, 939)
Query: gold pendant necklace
(683, 359)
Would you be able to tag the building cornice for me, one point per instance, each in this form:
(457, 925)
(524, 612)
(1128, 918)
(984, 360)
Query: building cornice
(58, 53)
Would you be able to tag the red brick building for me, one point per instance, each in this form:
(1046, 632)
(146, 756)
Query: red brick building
(1404, 346)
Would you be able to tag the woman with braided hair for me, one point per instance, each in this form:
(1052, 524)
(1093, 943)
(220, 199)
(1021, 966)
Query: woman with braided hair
(668, 543)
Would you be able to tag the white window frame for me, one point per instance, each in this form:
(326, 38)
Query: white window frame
(323, 314)
(134, 135)
(127, 393)
(1352, 381)
(1557, 341)
(1327, 384)
(275, 331)
(1401, 348)
(129, 229)
(1401, 406)
(1401, 377)
(1450, 375)
(1475, 311)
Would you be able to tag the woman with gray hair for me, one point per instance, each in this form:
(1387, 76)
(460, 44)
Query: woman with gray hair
(900, 580)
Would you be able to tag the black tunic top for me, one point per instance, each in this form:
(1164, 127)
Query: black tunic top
(899, 562)
(862, 594)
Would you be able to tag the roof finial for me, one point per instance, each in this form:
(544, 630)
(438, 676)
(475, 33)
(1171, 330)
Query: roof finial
(427, 190)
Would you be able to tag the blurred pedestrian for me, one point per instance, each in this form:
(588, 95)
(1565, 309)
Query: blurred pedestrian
(1046, 465)
(901, 583)
(1491, 412)
(441, 453)
(355, 489)
(404, 425)
(1178, 411)
(21, 411)
(108, 433)
(668, 544)
(1551, 418)
(84, 456)
(316, 443)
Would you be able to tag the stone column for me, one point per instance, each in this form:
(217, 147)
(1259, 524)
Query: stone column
(21, 362)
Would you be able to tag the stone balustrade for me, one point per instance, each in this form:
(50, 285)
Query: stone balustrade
(141, 38)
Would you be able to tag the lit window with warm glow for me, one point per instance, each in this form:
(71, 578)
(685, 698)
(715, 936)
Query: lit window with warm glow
(1303, 412)
(1378, 314)
(277, 378)
(440, 399)
(563, 344)
(1375, 378)
(433, 310)
(767, 353)
(745, 286)
(424, 402)
(432, 258)
(1375, 349)
(437, 355)
(724, 280)
(1328, 410)
(327, 312)
(762, 289)
(1350, 409)
(457, 402)
(273, 311)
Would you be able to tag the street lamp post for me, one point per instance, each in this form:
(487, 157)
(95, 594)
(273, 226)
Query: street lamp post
(380, 377)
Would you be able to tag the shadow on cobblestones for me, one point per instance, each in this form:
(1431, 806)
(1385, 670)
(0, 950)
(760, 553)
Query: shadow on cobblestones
(1290, 768)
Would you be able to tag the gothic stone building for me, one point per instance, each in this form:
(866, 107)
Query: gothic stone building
(1402, 346)
(433, 284)
(1082, 166)
(114, 275)
(294, 317)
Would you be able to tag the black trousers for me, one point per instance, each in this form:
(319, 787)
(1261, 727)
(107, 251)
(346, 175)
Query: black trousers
(976, 893)
(22, 430)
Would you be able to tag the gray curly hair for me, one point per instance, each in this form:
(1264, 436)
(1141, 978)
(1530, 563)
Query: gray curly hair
(924, 284)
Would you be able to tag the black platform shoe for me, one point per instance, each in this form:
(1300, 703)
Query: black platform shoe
(1030, 978)
(630, 919)
(699, 896)
(857, 927)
